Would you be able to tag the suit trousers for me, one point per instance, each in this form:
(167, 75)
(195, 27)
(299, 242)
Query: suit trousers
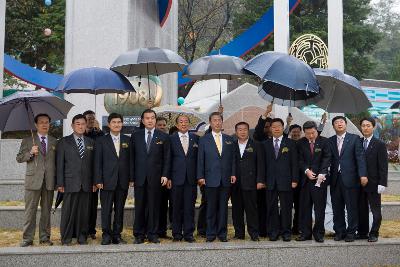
(74, 216)
(244, 201)
(310, 196)
(217, 211)
(201, 219)
(32, 200)
(262, 211)
(279, 221)
(108, 199)
(343, 197)
(184, 199)
(373, 200)
(94, 201)
(147, 211)
(165, 207)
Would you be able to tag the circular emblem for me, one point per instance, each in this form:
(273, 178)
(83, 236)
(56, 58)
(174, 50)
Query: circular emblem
(311, 49)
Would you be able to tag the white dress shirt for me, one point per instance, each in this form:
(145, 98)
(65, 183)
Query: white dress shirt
(145, 134)
(242, 147)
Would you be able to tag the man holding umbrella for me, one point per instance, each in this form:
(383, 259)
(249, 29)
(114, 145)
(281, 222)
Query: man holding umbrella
(39, 152)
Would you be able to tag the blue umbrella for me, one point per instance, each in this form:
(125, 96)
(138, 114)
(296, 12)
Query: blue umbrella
(286, 80)
(94, 80)
(340, 92)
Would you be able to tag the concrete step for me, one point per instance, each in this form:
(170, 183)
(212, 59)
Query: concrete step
(264, 253)
(12, 217)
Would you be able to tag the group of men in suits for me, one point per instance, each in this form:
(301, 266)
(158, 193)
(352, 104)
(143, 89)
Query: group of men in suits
(259, 176)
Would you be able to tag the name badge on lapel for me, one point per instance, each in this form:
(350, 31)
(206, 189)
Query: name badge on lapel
(228, 142)
(195, 145)
(159, 142)
(89, 147)
(124, 145)
(285, 150)
(249, 149)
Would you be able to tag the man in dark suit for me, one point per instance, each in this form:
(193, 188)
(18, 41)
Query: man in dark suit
(184, 147)
(348, 170)
(250, 175)
(377, 169)
(75, 180)
(150, 163)
(314, 160)
(39, 153)
(216, 170)
(93, 131)
(281, 177)
(112, 176)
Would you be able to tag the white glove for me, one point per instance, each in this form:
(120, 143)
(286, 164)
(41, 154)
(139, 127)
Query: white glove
(320, 180)
(381, 189)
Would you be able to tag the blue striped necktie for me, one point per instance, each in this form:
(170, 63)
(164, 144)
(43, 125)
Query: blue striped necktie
(80, 147)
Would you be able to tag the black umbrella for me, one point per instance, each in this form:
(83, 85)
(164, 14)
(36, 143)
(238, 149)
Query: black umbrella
(395, 105)
(59, 199)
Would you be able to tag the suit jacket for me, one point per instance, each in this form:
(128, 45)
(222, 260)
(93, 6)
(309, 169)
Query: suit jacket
(40, 167)
(318, 162)
(214, 168)
(153, 165)
(109, 169)
(183, 167)
(351, 160)
(250, 168)
(73, 172)
(283, 170)
(377, 164)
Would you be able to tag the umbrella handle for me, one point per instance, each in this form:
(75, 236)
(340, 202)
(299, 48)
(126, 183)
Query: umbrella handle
(220, 90)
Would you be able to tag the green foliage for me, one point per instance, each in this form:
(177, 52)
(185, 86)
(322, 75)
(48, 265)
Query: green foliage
(24, 39)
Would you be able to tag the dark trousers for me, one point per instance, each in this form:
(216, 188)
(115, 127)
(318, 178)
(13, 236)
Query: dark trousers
(244, 201)
(147, 211)
(184, 199)
(310, 196)
(373, 199)
(296, 205)
(343, 197)
(201, 219)
(217, 211)
(262, 211)
(74, 216)
(279, 221)
(165, 207)
(94, 200)
(108, 199)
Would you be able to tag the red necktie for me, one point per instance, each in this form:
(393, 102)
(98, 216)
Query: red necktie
(312, 148)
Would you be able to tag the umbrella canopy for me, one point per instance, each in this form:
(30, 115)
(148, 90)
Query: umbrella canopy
(148, 61)
(340, 93)
(18, 110)
(395, 105)
(389, 111)
(94, 80)
(215, 67)
(287, 80)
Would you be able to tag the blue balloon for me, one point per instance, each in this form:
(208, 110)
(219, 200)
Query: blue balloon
(181, 100)
(47, 2)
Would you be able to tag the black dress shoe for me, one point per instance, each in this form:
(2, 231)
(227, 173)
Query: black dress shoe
(255, 238)
(273, 238)
(319, 239)
(361, 236)
(210, 239)
(338, 237)
(349, 238)
(372, 238)
(118, 240)
(82, 242)
(46, 242)
(93, 236)
(239, 237)
(138, 240)
(223, 239)
(287, 238)
(201, 234)
(26, 244)
(154, 240)
(303, 238)
(105, 241)
(190, 239)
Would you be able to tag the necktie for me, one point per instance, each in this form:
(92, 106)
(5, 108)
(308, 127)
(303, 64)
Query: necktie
(276, 147)
(312, 148)
(185, 144)
(80, 147)
(116, 145)
(148, 141)
(340, 144)
(43, 145)
(218, 143)
(365, 144)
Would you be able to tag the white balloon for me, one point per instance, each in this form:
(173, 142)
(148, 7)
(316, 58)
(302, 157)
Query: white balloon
(47, 32)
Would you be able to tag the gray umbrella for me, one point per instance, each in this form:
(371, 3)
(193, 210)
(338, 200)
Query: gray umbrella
(340, 93)
(18, 110)
(215, 67)
(148, 61)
